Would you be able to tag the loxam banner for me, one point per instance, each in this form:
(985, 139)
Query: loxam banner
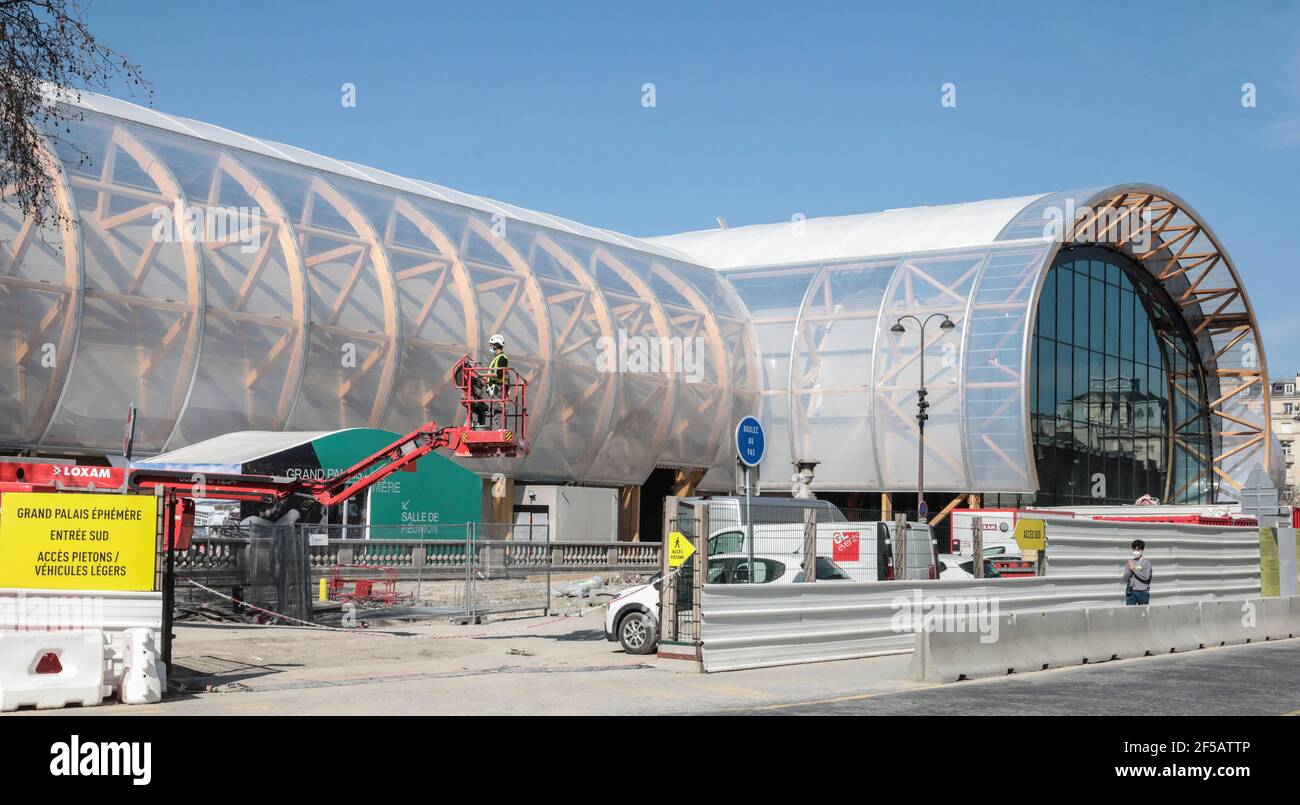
(62, 541)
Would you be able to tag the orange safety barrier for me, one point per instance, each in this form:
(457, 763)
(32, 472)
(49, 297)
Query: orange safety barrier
(382, 590)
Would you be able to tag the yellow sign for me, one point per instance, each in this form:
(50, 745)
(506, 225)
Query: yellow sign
(1270, 569)
(679, 549)
(1031, 535)
(65, 541)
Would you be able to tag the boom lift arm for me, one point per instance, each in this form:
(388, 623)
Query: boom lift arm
(501, 431)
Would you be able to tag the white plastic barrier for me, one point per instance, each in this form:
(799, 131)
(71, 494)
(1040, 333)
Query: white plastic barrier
(51, 669)
(143, 675)
(1030, 641)
(122, 630)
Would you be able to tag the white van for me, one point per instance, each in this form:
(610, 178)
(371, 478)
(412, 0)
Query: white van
(729, 510)
(863, 549)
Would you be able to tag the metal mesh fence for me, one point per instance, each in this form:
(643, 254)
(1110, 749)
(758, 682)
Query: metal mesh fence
(216, 559)
(279, 578)
(400, 571)
(509, 574)
(685, 628)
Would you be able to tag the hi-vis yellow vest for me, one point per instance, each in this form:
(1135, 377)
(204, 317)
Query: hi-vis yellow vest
(498, 361)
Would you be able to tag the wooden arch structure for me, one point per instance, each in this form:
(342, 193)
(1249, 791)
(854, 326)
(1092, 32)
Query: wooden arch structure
(41, 289)
(1184, 257)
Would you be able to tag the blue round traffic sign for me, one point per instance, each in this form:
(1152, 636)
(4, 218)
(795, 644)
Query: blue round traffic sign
(749, 441)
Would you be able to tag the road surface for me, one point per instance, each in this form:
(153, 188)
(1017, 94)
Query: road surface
(1254, 679)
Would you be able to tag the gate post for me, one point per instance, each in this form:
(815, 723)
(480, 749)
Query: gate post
(809, 546)
(900, 546)
(701, 573)
(668, 585)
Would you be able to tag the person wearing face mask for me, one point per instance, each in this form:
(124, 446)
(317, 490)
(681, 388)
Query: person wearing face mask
(1137, 577)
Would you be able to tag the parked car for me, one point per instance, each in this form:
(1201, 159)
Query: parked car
(632, 618)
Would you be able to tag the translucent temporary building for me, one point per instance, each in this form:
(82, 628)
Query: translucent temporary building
(1189, 404)
(224, 283)
(343, 302)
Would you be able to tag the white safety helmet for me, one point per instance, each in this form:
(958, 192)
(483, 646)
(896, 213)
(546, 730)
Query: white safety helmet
(497, 340)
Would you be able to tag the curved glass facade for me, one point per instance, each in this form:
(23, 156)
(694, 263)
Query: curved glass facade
(1118, 405)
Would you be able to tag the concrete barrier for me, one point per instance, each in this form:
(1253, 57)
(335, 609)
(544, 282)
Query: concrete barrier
(1050, 639)
(1117, 633)
(1030, 641)
(1174, 627)
(1225, 621)
(945, 656)
(1275, 618)
(1027, 641)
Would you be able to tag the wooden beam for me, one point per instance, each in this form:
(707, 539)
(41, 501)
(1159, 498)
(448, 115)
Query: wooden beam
(946, 509)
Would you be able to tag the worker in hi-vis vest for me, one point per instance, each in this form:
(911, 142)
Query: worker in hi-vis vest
(498, 378)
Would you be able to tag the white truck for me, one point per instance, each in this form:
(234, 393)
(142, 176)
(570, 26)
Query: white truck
(1000, 524)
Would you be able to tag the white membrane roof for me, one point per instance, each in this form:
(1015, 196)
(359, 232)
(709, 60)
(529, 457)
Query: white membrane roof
(902, 231)
(207, 132)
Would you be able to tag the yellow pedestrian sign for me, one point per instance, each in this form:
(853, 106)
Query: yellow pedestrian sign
(1031, 535)
(679, 549)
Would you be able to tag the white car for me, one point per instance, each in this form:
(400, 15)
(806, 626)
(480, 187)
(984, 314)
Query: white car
(632, 618)
(956, 566)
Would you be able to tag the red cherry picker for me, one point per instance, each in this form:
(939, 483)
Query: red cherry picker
(494, 425)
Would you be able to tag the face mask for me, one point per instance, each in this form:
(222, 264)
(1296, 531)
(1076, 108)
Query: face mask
(1137, 554)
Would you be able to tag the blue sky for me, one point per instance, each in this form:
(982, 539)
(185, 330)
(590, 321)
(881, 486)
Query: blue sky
(766, 110)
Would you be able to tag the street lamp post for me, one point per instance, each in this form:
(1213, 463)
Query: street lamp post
(921, 403)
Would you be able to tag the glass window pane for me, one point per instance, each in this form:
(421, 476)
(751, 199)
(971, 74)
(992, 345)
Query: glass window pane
(1064, 379)
(1046, 323)
(1126, 302)
(1080, 384)
(1045, 378)
(1081, 319)
(1112, 320)
(1097, 311)
(1065, 306)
